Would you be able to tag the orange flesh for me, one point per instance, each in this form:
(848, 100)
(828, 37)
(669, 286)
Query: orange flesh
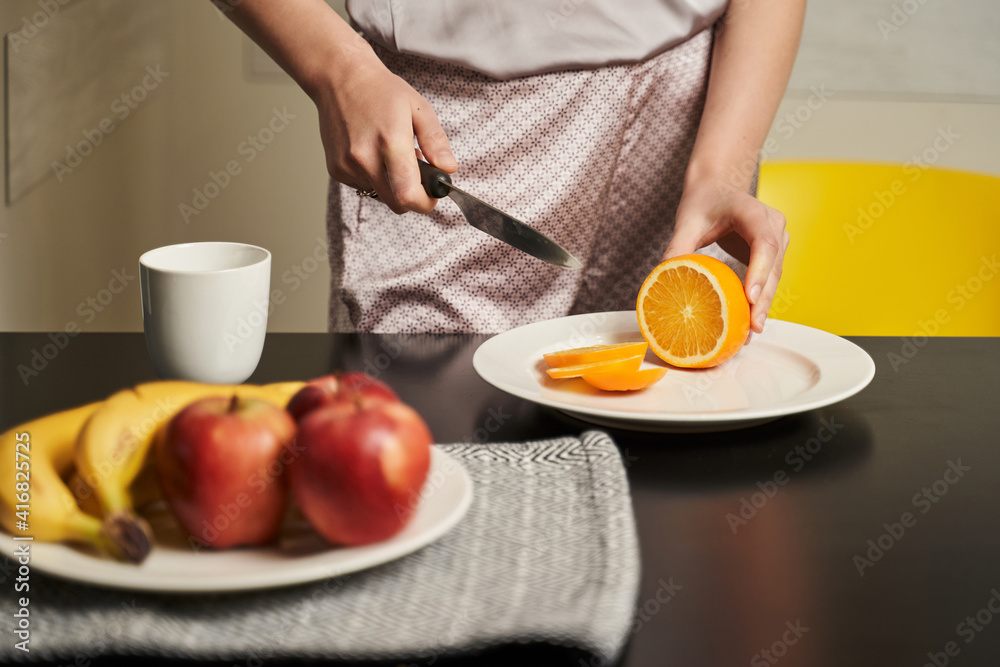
(693, 312)
(630, 364)
(684, 312)
(595, 353)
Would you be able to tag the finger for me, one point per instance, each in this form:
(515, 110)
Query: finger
(357, 179)
(758, 311)
(380, 185)
(359, 167)
(431, 137)
(692, 232)
(770, 290)
(353, 176)
(378, 178)
(764, 229)
(403, 177)
(688, 236)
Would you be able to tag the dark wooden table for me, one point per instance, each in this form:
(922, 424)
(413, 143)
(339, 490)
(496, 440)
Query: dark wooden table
(866, 533)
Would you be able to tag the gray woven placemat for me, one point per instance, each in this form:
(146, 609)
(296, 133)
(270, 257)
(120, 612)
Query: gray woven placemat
(547, 553)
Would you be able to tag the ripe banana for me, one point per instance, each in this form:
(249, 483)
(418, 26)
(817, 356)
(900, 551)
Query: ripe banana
(53, 511)
(144, 492)
(115, 441)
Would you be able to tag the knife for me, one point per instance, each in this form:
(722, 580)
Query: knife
(495, 222)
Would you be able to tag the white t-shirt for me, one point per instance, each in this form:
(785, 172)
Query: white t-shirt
(511, 38)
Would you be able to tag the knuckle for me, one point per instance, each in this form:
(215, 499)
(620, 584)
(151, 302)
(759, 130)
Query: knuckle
(392, 140)
(771, 243)
(760, 211)
(752, 211)
(354, 158)
(436, 134)
(780, 221)
(421, 104)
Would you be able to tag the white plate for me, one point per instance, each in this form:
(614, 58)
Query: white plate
(789, 368)
(445, 498)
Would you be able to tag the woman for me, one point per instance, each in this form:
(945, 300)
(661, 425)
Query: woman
(623, 129)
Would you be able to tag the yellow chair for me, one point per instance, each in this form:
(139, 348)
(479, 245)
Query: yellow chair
(887, 249)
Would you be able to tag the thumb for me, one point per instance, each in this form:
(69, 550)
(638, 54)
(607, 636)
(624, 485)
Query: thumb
(685, 240)
(432, 139)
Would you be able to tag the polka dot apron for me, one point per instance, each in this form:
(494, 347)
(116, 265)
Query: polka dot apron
(594, 159)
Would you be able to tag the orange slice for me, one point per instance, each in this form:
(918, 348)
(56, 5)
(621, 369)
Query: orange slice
(693, 312)
(595, 353)
(616, 365)
(625, 380)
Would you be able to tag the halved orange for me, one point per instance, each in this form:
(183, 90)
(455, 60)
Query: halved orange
(595, 353)
(616, 365)
(625, 380)
(693, 312)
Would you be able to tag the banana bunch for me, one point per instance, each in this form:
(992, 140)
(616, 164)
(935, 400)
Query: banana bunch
(107, 444)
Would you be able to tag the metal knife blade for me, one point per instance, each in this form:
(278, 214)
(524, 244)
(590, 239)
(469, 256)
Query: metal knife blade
(495, 222)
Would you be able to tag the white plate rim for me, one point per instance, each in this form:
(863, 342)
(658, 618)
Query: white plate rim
(819, 347)
(65, 562)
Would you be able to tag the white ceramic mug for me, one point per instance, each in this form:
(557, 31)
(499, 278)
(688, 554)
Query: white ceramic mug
(204, 309)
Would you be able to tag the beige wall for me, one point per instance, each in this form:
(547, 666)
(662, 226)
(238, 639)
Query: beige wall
(64, 239)
(887, 131)
(60, 244)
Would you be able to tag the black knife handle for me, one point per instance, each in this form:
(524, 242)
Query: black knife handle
(433, 180)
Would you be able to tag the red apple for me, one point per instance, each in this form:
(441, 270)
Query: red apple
(221, 468)
(360, 469)
(335, 388)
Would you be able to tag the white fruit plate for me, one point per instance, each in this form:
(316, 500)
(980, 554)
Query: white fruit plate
(790, 368)
(300, 555)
